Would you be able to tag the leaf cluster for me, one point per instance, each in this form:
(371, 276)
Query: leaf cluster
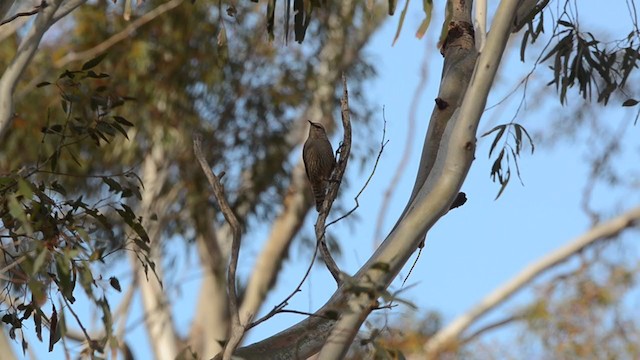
(580, 60)
(52, 238)
(501, 169)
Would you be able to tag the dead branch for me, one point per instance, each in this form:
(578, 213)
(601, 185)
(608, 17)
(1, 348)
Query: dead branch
(237, 329)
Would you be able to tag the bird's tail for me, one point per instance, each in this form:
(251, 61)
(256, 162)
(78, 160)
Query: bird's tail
(318, 194)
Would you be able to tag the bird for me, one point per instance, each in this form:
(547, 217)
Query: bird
(319, 161)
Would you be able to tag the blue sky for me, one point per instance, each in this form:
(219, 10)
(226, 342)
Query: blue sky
(474, 248)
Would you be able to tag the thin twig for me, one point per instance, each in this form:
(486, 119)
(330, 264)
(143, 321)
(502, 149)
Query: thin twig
(491, 326)
(237, 330)
(383, 144)
(120, 36)
(334, 184)
(13, 264)
(84, 331)
(280, 307)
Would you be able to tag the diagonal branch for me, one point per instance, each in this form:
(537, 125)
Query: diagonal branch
(21, 60)
(237, 329)
(603, 231)
(120, 36)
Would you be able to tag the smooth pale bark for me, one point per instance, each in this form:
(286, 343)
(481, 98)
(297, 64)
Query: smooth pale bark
(307, 337)
(451, 333)
(449, 160)
(5, 5)
(6, 353)
(157, 307)
(24, 54)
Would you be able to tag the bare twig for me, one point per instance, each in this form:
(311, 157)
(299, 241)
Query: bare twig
(284, 229)
(491, 326)
(334, 184)
(13, 264)
(383, 143)
(119, 315)
(603, 231)
(237, 329)
(280, 307)
(116, 38)
(84, 331)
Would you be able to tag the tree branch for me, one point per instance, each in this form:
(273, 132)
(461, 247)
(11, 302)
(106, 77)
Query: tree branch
(237, 329)
(116, 38)
(5, 5)
(334, 185)
(20, 61)
(458, 143)
(35, 10)
(603, 231)
(158, 319)
(480, 23)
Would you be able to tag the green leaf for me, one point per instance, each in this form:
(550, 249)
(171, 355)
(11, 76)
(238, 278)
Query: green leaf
(37, 264)
(17, 211)
(401, 22)
(526, 133)
(55, 186)
(37, 321)
(427, 6)
(122, 121)
(392, 7)
(444, 32)
(114, 186)
(120, 129)
(66, 282)
(93, 62)
(54, 330)
(86, 279)
(498, 136)
(105, 127)
(25, 189)
(93, 75)
(271, 8)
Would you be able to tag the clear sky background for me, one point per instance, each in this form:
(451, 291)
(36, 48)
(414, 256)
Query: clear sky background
(475, 248)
